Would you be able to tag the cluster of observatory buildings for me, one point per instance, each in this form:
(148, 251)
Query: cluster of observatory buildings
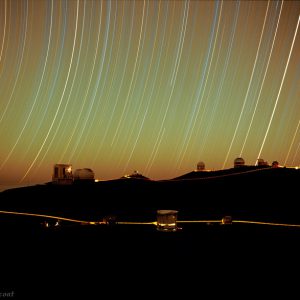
(240, 162)
(63, 173)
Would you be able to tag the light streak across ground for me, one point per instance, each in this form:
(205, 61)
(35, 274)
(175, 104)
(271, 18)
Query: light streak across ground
(144, 223)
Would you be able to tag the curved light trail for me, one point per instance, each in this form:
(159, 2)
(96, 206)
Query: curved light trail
(60, 101)
(123, 75)
(96, 87)
(181, 41)
(262, 84)
(153, 86)
(296, 153)
(279, 92)
(6, 33)
(293, 140)
(185, 19)
(47, 105)
(45, 216)
(88, 88)
(19, 66)
(223, 74)
(132, 77)
(143, 94)
(4, 30)
(37, 93)
(70, 92)
(200, 89)
(144, 223)
(75, 126)
(154, 151)
(96, 112)
(108, 93)
(248, 88)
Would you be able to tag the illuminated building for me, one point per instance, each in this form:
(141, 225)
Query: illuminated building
(62, 174)
(226, 220)
(167, 220)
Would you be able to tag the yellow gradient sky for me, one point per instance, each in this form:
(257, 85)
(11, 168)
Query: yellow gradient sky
(153, 86)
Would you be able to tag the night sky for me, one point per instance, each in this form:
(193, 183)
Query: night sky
(153, 86)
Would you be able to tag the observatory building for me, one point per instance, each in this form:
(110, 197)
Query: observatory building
(167, 220)
(135, 175)
(200, 166)
(261, 162)
(239, 162)
(62, 174)
(84, 175)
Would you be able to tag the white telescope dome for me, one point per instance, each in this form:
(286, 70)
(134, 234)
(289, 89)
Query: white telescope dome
(239, 162)
(84, 174)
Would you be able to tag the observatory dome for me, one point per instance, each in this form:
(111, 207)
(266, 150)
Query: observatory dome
(200, 166)
(239, 161)
(84, 174)
(261, 162)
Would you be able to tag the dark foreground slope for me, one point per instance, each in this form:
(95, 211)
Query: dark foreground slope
(267, 194)
(137, 261)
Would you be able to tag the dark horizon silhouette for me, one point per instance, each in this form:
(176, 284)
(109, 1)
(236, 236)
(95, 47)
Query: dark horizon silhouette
(56, 251)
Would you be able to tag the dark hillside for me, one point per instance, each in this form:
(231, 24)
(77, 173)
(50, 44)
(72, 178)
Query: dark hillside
(121, 260)
(262, 193)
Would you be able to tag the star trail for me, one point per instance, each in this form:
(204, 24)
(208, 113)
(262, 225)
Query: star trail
(154, 86)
